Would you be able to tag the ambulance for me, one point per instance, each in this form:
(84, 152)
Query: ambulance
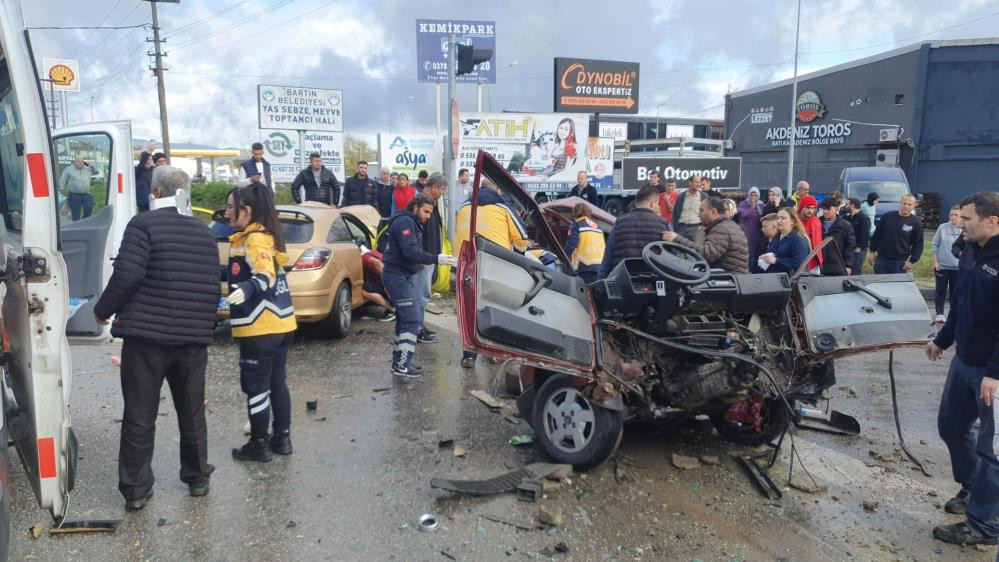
(51, 269)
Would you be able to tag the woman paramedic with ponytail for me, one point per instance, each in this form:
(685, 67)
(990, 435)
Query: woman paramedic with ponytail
(262, 318)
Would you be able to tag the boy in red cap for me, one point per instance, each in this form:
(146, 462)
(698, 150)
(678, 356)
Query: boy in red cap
(807, 206)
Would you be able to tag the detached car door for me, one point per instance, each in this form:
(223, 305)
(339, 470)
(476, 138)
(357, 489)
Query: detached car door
(36, 367)
(854, 314)
(89, 245)
(511, 305)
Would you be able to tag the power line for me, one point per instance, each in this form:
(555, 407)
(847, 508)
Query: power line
(902, 39)
(145, 25)
(205, 19)
(87, 38)
(108, 47)
(300, 16)
(254, 17)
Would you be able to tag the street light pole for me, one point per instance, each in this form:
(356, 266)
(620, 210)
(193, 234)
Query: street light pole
(794, 100)
(452, 187)
(91, 109)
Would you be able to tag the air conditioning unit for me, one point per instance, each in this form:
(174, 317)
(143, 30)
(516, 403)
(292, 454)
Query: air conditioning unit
(889, 135)
(887, 158)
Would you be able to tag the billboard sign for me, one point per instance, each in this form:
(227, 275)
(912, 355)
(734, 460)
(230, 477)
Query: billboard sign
(431, 49)
(616, 131)
(64, 74)
(282, 150)
(724, 173)
(299, 109)
(596, 86)
(542, 151)
(411, 153)
(600, 162)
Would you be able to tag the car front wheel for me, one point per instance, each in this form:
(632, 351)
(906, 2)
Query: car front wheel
(338, 322)
(570, 429)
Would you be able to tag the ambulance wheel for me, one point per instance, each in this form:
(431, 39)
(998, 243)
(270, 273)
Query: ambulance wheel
(338, 322)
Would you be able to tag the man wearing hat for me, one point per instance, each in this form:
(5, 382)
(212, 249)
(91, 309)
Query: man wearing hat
(807, 207)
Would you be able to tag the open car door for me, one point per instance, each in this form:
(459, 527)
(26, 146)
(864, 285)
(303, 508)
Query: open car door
(512, 305)
(89, 245)
(846, 315)
(36, 370)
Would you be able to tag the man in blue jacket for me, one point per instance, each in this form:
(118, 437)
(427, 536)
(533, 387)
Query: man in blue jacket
(972, 387)
(404, 260)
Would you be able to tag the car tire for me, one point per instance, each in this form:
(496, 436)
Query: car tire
(614, 206)
(559, 410)
(337, 324)
(775, 420)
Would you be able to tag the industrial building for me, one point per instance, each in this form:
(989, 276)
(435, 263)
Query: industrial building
(930, 108)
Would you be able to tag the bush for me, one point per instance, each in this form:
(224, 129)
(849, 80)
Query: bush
(212, 195)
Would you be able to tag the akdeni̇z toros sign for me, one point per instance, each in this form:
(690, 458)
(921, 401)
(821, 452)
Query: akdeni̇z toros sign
(596, 86)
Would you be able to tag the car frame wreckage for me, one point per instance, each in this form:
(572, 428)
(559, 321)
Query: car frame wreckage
(665, 335)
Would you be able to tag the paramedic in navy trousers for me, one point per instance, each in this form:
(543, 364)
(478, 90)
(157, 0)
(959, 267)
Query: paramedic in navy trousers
(972, 387)
(404, 260)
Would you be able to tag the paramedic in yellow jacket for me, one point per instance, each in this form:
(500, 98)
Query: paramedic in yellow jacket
(585, 244)
(496, 222)
(262, 318)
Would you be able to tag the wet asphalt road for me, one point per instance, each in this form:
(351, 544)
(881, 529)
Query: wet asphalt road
(359, 477)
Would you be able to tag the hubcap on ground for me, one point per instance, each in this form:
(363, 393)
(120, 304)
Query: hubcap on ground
(569, 420)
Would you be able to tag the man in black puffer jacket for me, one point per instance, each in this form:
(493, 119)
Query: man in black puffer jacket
(164, 294)
(360, 189)
(318, 182)
(634, 231)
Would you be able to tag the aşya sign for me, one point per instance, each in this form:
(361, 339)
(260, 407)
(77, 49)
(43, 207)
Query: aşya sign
(807, 109)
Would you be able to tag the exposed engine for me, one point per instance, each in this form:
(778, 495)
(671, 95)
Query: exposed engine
(701, 346)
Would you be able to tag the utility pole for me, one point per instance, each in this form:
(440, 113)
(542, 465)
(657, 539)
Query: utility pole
(794, 100)
(452, 187)
(158, 69)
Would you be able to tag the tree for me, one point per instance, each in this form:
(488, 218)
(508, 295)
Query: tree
(355, 149)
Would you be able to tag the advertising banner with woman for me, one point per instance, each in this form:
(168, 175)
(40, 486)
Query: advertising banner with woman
(543, 151)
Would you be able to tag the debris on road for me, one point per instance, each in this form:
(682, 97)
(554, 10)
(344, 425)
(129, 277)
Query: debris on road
(530, 489)
(459, 451)
(448, 555)
(760, 477)
(116, 360)
(550, 517)
(510, 522)
(37, 530)
(892, 457)
(86, 526)
(445, 443)
(335, 396)
(562, 548)
(871, 505)
(521, 440)
(311, 405)
(533, 473)
(512, 419)
(489, 400)
(428, 522)
(686, 463)
(807, 484)
(710, 460)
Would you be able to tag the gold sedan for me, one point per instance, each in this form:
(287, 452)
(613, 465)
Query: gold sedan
(324, 260)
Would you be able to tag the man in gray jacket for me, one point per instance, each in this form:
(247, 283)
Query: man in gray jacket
(724, 244)
(944, 262)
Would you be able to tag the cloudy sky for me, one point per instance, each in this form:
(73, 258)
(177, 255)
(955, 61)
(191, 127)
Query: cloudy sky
(691, 52)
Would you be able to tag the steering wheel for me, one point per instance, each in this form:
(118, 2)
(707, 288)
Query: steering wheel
(676, 263)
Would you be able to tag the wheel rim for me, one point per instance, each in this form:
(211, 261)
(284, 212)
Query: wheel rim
(345, 309)
(569, 420)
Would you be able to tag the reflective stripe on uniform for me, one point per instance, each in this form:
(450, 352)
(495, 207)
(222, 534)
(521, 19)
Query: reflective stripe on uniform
(260, 407)
(264, 305)
(258, 397)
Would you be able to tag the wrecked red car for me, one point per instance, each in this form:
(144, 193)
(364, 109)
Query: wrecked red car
(665, 335)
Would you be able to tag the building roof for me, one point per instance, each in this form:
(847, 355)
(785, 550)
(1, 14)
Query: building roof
(868, 60)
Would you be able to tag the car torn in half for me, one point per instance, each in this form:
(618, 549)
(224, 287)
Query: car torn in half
(665, 335)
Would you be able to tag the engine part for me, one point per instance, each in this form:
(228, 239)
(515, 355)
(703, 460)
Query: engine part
(429, 522)
(695, 385)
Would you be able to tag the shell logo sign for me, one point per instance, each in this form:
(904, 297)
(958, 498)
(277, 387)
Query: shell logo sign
(64, 75)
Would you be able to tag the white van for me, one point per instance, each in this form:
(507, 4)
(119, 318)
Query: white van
(46, 264)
